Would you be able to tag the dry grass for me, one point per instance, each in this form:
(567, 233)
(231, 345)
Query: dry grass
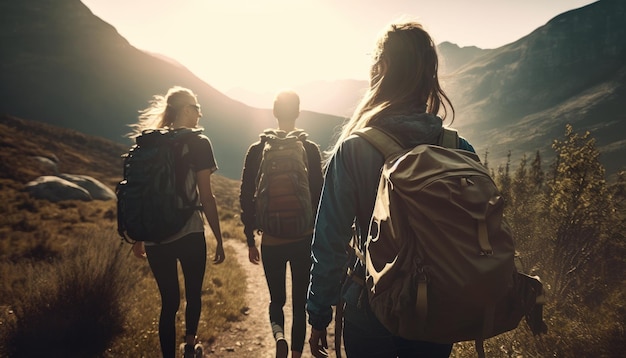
(71, 305)
(65, 279)
(98, 294)
(223, 299)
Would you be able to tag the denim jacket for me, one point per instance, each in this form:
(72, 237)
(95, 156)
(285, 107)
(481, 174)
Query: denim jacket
(348, 197)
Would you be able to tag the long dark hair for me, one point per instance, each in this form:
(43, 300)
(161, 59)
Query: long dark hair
(403, 79)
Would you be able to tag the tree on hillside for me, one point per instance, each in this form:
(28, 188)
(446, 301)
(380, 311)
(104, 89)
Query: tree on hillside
(570, 231)
(503, 178)
(524, 211)
(615, 250)
(580, 212)
(486, 158)
(520, 210)
(519, 201)
(537, 175)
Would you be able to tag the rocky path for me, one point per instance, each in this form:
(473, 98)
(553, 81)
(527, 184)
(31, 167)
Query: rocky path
(252, 337)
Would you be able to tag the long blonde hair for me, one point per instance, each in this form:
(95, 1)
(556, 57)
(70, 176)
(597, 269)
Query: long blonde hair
(403, 79)
(163, 110)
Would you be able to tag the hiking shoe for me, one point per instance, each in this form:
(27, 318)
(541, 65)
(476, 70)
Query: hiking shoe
(282, 348)
(198, 351)
(188, 351)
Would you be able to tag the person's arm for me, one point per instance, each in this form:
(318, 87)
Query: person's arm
(333, 231)
(246, 200)
(465, 145)
(328, 252)
(209, 205)
(349, 191)
(316, 178)
(246, 194)
(331, 235)
(139, 250)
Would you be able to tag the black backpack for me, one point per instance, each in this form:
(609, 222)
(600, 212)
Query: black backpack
(152, 204)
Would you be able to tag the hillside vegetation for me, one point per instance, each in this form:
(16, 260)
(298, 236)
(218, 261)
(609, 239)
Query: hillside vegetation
(66, 279)
(569, 226)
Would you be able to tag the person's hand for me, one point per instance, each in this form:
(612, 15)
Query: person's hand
(220, 256)
(139, 250)
(253, 255)
(318, 343)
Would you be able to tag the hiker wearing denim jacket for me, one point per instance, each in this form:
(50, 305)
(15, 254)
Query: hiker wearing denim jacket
(404, 99)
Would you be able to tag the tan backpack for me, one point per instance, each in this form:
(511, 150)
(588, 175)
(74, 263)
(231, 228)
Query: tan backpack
(439, 257)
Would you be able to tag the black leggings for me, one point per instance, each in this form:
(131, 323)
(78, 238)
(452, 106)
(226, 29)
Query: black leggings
(275, 259)
(191, 252)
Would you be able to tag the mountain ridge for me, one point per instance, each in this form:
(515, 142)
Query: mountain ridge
(570, 70)
(63, 65)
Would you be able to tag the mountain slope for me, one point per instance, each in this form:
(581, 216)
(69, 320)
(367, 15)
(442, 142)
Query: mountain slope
(338, 97)
(62, 65)
(75, 153)
(519, 97)
(452, 57)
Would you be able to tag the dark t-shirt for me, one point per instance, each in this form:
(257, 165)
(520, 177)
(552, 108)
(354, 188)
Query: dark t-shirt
(200, 155)
(197, 155)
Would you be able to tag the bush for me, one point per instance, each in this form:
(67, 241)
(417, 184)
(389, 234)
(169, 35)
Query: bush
(74, 306)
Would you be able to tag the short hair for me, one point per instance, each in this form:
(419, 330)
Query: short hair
(286, 105)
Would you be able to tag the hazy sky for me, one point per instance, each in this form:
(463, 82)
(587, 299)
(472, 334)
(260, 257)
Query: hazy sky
(265, 45)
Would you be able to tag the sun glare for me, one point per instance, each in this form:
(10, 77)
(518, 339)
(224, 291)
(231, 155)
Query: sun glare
(264, 45)
(265, 48)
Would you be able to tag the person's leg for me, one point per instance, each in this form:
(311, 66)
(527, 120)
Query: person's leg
(409, 349)
(364, 335)
(163, 264)
(361, 341)
(300, 262)
(275, 266)
(193, 263)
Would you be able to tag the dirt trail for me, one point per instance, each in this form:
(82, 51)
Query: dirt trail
(252, 337)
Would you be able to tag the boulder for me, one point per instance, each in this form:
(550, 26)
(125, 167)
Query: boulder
(56, 189)
(47, 166)
(96, 189)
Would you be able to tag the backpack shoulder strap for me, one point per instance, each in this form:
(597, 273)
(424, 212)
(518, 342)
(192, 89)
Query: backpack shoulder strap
(449, 138)
(388, 145)
(384, 142)
(184, 133)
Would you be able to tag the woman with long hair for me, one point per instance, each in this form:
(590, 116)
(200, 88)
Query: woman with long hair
(404, 99)
(177, 110)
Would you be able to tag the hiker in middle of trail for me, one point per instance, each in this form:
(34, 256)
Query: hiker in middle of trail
(404, 99)
(280, 189)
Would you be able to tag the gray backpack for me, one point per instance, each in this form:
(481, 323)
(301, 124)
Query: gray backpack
(282, 196)
(439, 257)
